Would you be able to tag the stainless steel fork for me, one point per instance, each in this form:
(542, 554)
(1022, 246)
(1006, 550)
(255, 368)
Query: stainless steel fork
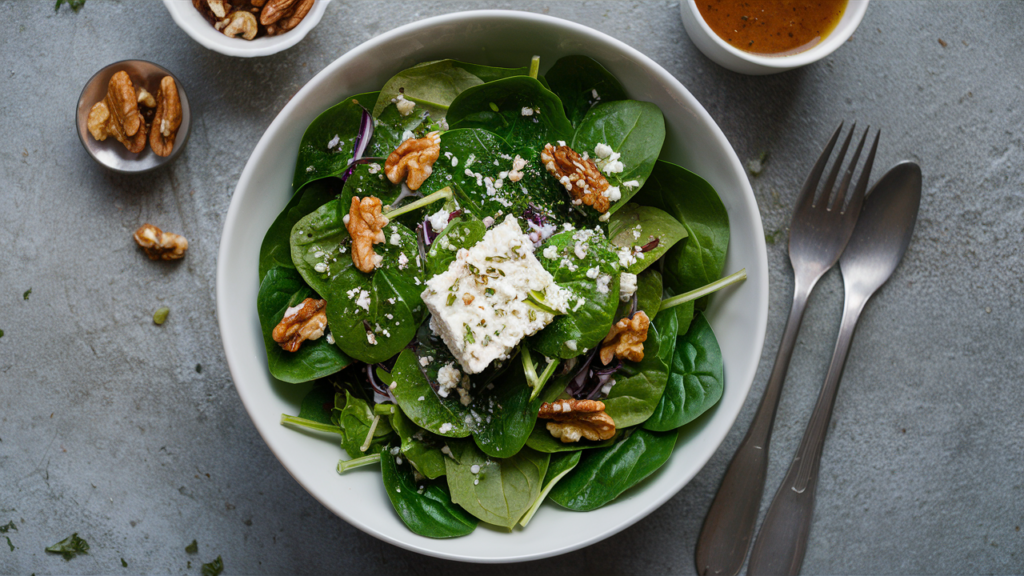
(818, 234)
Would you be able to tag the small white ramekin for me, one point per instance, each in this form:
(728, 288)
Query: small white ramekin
(192, 22)
(737, 60)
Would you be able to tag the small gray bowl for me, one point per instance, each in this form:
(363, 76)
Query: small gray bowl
(110, 153)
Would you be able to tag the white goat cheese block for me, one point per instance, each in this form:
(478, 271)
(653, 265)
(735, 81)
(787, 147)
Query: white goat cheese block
(479, 305)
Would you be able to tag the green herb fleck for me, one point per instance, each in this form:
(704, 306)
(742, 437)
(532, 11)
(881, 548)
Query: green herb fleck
(771, 237)
(1, 333)
(489, 291)
(70, 547)
(493, 106)
(469, 334)
(27, 294)
(451, 300)
(213, 568)
(9, 526)
(75, 5)
(123, 563)
(199, 368)
(9, 543)
(531, 314)
(160, 316)
(192, 548)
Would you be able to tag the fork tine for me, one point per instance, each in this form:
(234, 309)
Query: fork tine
(841, 194)
(857, 199)
(827, 190)
(806, 198)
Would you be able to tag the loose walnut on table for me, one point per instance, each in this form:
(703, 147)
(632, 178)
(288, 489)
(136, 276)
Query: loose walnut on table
(574, 419)
(160, 245)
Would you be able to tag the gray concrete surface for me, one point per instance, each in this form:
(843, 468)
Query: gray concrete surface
(109, 429)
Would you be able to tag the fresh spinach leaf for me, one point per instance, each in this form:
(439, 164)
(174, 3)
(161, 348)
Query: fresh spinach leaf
(462, 232)
(419, 402)
(640, 385)
(559, 466)
(338, 125)
(507, 414)
(9, 543)
(594, 282)
(212, 568)
(371, 316)
(192, 548)
(355, 420)
(428, 511)
(696, 379)
(634, 130)
(684, 312)
(420, 447)
(26, 294)
(502, 490)
(69, 547)
(434, 85)
(318, 404)
(580, 83)
(281, 289)
(644, 226)
(603, 475)
(518, 109)
(542, 441)
(392, 128)
(276, 250)
(693, 202)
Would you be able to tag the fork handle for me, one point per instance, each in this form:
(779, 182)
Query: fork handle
(782, 541)
(729, 525)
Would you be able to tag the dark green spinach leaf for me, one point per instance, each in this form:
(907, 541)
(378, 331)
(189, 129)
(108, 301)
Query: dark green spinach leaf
(428, 511)
(434, 85)
(276, 250)
(506, 414)
(419, 402)
(355, 420)
(338, 125)
(69, 547)
(213, 568)
(502, 490)
(318, 404)
(640, 385)
(559, 466)
(696, 379)
(580, 83)
(518, 109)
(635, 225)
(281, 289)
(603, 475)
(420, 447)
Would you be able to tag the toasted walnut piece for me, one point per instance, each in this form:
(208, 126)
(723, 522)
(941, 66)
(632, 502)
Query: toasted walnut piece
(291, 19)
(142, 96)
(118, 115)
(167, 119)
(574, 419)
(274, 10)
(219, 8)
(241, 23)
(160, 245)
(581, 178)
(625, 340)
(413, 160)
(366, 227)
(306, 321)
(99, 115)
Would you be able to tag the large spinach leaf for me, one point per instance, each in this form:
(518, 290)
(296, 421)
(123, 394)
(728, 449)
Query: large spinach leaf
(317, 405)
(559, 466)
(644, 226)
(372, 316)
(281, 289)
(640, 385)
(507, 415)
(326, 146)
(696, 379)
(355, 420)
(634, 130)
(684, 312)
(276, 250)
(594, 282)
(518, 109)
(690, 199)
(502, 490)
(580, 83)
(428, 511)
(602, 475)
(420, 447)
(434, 85)
(443, 416)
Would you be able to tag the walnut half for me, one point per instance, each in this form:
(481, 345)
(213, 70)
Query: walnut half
(160, 245)
(306, 321)
(574, 419)
(581, 178)
(118, 115)
(413, 160)
(289, 19)
(167, 119)
(625, 340)
(365, 224)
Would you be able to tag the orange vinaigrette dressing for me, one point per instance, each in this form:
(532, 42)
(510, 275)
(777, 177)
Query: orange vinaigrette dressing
(772, 27)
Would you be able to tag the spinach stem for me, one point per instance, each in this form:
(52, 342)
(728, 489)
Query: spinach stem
(532, 380)
(543, 494)
(537, 300)
(534, 67)
(703, 290)
(425, 102)
(344, 465)
(444, 193)
(384, 409)
(311, 424)
(369, 435)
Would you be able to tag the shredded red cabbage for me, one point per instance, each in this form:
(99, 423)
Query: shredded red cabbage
(381, 393)
(362, 142)
(591, 377)
(650, 245)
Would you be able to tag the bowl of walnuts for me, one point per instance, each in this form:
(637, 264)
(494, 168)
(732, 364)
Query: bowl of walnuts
(247, 28)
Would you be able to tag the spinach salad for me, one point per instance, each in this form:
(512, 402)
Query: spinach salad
(496, 286)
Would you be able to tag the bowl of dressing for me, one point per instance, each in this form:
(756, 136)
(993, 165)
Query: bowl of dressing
(766, 37)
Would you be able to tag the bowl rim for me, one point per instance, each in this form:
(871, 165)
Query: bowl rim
(241, 48)
(781, 63)
(180, 139)
(745, 193)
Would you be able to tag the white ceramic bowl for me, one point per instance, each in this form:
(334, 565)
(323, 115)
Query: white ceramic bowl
(737, 60)
(188, 19)
(503, 38)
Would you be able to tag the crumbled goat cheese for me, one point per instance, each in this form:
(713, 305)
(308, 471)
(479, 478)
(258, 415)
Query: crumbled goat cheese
(405, 107)
(516, 174)
(444, 429)
(571, 345)
(334, 141)
(438, 220)
(551, 252)
(373, 168)
(371, 338)
(627, 286)
(447, 379)
(602, 283)
(613, 194)
(488, 221)
(593, 273)
(330, 338)
(396, 240)
(527, 111)
(474, 469)
(603, 150)
(403, 261)
(495, 277)
(631, 183)
(320, 267)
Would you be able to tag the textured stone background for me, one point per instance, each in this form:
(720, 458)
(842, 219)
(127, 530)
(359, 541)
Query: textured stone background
(108, 429)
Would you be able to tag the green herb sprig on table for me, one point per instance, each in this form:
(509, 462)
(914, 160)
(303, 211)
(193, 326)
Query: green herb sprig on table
(70, 547)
